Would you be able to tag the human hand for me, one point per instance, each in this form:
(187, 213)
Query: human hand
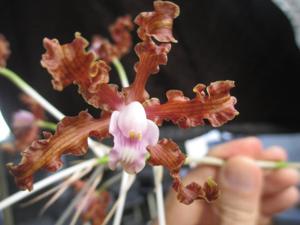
(249, 195)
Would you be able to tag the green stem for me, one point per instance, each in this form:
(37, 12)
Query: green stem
(20, 83)
(121, 72)
(13, 77)
(103, 160)
(46, 125)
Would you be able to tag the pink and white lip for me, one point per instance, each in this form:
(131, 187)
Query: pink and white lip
(132, 133)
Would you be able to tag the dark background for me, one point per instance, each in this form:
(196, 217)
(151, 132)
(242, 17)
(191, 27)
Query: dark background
(250, 42)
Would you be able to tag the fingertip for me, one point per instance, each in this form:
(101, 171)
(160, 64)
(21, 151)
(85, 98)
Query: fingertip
(249, 146)
(279, 180)
(274, 153)
(281, 201)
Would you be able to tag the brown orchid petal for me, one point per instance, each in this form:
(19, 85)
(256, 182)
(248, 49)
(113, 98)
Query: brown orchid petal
(151, 56)
(211, 190)
(70, 63)
(187, 194)
(193, 191)
(70, 138)
(167, 153)
(96, 206)
(4, 51)
(120, 33)
(217, 106)
(158, 24)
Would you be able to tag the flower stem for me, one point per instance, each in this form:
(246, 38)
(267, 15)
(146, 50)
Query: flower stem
(127, 181)
(213, 161)
(46, 125)
(121, 72)
(20, 83)
(158, 175)
(103, 160)
(46, 182)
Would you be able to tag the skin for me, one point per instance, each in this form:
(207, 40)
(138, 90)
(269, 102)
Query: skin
(249, 195)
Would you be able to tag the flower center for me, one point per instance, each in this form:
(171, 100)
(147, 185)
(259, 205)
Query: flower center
(132, 132)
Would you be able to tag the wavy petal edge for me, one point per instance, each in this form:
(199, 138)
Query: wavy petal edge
(70, 138)
(168, 154)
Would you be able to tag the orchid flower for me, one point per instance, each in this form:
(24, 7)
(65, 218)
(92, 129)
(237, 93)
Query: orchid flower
(129, 115)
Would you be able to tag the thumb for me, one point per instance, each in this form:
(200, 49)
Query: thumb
(240, 183)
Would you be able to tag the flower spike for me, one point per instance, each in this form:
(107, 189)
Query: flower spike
(70, 138)
(217, 106)
(4, 51)
(70, 63)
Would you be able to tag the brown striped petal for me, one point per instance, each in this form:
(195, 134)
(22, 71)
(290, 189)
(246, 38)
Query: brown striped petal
(70, 138)
(167, 153)
(159, 23)
(156, 25)
(213, 103)
(151, 56)
(70, 63)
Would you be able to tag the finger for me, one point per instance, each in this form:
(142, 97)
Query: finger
(280, 202)
(240, 182)
(274, 153)
(189, 214)
(250, 146)
(277, 181)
